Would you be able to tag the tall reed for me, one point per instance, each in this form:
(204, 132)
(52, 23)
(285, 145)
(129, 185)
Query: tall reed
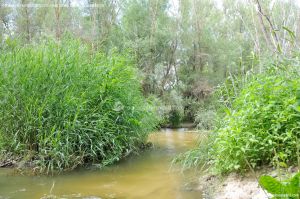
(68, 105)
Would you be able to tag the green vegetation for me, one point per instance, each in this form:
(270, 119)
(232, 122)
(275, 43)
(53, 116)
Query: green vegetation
(182, 49)
(68, 106)
(231, 67)
(262, 124)
(286, 189)
(257, 122)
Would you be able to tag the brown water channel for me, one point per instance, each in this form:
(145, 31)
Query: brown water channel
(147, 176)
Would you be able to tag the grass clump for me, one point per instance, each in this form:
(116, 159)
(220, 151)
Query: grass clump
(69, 106)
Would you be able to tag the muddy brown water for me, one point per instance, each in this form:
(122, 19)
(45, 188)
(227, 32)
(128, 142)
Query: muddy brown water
(146, 176)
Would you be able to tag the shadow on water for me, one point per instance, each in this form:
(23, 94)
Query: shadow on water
(147, 176)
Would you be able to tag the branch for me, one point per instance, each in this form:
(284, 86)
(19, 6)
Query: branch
(269, 21)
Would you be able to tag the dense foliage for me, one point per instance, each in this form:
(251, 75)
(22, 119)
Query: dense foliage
(71, 104)
(262, 124)
(68, 105)
(182, 46)
(256, 122)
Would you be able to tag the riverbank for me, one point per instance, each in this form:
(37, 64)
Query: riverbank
(145, 176)
(8, 161)
(240, 186)
(27, 163)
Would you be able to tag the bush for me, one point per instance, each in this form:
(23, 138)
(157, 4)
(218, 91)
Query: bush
(171, 109)
(206, 115)
(191, 108)
(262, 124)
(70, 105)
(174, 117)
(205, 119)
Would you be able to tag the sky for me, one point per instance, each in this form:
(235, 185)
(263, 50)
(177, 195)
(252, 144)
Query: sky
(83, 3)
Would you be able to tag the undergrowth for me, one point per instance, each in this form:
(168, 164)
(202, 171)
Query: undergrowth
(257, 122)
(262, 125)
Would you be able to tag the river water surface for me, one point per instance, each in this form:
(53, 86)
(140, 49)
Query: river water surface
(146, 176)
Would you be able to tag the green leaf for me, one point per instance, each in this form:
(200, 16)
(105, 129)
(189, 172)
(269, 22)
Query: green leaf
(270, 142)
(282, 164)
(294, 185)
(272, 185)
(291, 33)
(279, 48)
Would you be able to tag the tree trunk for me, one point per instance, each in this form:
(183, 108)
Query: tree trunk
(57, 16)
(27, 21)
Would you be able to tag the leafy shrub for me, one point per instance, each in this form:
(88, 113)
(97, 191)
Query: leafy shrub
(205, 119)
(171, 109)
(262, 124)
(174, 117)
(70, 105)
(288, 189)
(206, 115)
(191, 107)
(158, 107)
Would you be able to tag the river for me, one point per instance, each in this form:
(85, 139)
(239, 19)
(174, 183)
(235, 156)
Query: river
(146, 176)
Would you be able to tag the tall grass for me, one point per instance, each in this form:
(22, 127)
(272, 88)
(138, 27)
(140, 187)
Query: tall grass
(69, 106)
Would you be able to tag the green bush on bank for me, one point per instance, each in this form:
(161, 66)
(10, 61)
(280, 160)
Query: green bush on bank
(262, 124)
(69, 105)
(257, 123)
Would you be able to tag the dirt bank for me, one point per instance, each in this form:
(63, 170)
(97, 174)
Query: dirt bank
(237, 186)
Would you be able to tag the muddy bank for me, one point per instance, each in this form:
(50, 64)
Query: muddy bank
(26, 163)
(239, 186)
(9, 160)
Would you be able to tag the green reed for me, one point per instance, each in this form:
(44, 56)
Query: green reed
(68, 105)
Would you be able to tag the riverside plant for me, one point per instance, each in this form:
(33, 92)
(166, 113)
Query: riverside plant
(67, 105)
(289, 188)
(261, 125)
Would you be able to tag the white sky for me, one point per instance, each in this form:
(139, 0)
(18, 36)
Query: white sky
(219, 3)
(174, 4)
